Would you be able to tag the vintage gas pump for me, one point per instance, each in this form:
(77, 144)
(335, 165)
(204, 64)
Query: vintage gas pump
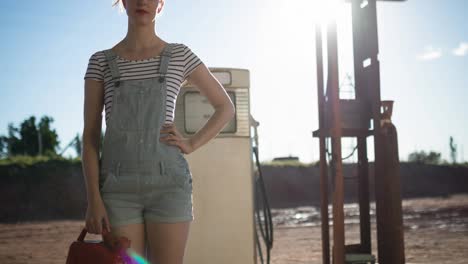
(223, 230)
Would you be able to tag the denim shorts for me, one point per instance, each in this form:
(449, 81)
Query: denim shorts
(133, 195)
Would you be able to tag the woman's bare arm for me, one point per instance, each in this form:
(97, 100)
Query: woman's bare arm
(93, 105)
(210, 87)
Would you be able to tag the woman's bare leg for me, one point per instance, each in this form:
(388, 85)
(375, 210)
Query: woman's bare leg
(167, 242)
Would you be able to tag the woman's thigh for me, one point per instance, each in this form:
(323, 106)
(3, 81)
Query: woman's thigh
(135, 233)
(167, 241)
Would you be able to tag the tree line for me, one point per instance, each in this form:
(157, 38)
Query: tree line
(33, 138)
(36, 138)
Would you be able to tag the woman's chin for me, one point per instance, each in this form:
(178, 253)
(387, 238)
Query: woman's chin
(141, 21)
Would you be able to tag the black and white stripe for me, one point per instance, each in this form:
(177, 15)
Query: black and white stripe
(183, 61)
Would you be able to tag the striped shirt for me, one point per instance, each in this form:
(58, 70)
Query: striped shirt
(183, 61)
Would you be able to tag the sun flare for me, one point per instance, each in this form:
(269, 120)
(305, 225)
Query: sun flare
(325, 11)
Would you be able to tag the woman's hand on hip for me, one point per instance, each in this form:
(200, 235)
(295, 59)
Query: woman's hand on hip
(175, 138)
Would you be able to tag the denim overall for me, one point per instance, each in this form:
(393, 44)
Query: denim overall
(141, 178)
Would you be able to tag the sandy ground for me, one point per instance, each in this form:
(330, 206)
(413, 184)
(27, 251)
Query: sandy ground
(429, 239)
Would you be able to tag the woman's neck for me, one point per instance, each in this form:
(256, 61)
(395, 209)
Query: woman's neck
(141, 39)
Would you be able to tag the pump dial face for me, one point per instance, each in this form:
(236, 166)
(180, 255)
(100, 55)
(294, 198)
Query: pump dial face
(198, 110)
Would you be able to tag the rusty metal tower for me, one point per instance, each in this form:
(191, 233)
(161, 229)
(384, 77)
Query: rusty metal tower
(362, 117)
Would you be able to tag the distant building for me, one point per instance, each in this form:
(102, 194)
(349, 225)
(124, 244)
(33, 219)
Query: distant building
(286, 158)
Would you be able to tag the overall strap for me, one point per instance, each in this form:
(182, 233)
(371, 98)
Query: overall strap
(111, 58)
(165, 57)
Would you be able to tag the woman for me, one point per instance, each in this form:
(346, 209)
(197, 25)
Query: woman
(141, 187)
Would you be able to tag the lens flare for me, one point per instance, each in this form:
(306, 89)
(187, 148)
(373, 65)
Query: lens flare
(131, 257)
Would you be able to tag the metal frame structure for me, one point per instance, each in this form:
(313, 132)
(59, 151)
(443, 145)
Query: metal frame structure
(360, 117)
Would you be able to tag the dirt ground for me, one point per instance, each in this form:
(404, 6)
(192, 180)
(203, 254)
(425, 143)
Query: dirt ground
(429, 239)
(427, 246)
(436, 232)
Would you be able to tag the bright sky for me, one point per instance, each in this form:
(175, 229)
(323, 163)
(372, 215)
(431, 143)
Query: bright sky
(45, 49)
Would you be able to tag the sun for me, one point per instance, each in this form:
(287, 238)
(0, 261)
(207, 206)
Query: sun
(325, 11)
